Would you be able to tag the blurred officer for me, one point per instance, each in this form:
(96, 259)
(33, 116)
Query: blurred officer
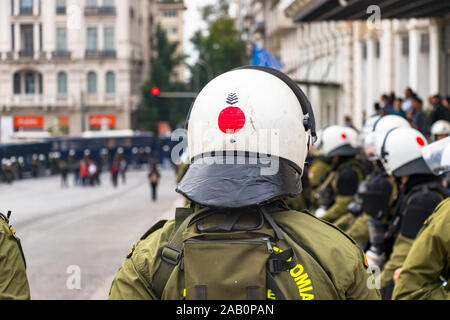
(318, 170)
(440, 130)
(338, 190)
(426, 271)
(13, 276)
(420, 192)
(238, 240)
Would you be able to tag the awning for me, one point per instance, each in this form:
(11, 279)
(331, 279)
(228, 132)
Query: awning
(328, 10)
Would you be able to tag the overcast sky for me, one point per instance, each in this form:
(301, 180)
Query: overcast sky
(193, 22)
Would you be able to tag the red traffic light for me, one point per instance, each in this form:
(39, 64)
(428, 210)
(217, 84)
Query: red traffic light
(155, 91)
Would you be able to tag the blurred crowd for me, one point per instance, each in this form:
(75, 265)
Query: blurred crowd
(421, 114)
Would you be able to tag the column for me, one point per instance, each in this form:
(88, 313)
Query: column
(435, 50)
(414, 47)
(36, 41)
(371, 75)
(357, 74)
(49, 26)
(387, 52)
(5, 27)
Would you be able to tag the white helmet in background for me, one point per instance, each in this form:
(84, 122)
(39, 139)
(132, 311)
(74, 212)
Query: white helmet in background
(339, 141)
(249, 132)
(440, 128)
(380, 127)
(437, 156)
(445, 161)
(368, 125)
(401, 152)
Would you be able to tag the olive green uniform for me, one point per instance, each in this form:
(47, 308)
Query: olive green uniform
(13, 277)
(332, 265)
(415, 206)
(427, 265)
(317, 173)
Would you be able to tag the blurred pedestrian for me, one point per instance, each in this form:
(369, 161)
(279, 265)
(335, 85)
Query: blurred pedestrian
(64, 169)
(115, 169)
(348, 122)
(92, 169)
(123, 169)
(397, 108)
(417, 117)
(84, 172)
(407, 103)
(438, 111)
(154, 176)
(386, 104)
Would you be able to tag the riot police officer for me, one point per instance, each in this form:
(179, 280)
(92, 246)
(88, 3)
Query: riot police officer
(420, 192)
(340, 146)
(238, 240)
(426, 271)
(13, 276)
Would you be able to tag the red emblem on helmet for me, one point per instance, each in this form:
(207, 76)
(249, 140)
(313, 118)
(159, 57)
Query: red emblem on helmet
(420, 141)
(231, 120)
(344, 136)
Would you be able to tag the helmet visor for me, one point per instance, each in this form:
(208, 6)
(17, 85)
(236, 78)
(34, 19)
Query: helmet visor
(432, 154)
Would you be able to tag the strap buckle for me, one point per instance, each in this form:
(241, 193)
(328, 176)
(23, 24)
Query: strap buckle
(171, 254)
(275, 266)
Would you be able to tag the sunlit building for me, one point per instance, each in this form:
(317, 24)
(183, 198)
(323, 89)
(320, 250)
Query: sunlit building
(67, 66)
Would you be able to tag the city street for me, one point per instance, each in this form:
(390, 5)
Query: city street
(90, 229)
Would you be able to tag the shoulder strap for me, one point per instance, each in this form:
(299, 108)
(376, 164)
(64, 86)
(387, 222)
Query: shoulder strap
(172, 252)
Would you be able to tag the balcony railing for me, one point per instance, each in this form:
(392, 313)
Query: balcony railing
(26, 54)
(61, 54)
(98, 54)
(108, 10)
(61, 10)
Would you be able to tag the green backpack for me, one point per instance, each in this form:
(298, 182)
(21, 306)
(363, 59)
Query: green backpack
(232, 254)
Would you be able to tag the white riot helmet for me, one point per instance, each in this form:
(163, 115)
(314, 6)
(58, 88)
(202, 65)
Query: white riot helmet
(379, 128)
(400, 150)
(437, 156)
(249, 131)
(440, 128)
(339, 141)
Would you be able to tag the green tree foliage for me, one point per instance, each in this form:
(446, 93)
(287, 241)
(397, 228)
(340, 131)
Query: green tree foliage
(156, 109)
(220, 48)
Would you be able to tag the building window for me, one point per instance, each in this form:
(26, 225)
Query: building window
(60, 6)
(92, 83)
(92, 36)
(405, 45)
(40, 83)
(26, 6)
(170, 13)
(110, 82)
(12, 7)
(30, 83)
(13, 41)
(16, 83)
(62, 83)
(108, 35)
(61, 39)
(424, 43)
(171, 30)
